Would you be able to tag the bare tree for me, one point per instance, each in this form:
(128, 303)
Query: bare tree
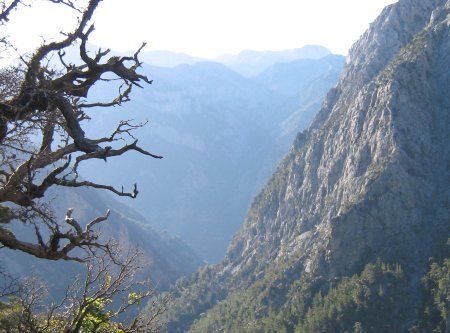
(9, 285)
(43, 108)
(94, 302)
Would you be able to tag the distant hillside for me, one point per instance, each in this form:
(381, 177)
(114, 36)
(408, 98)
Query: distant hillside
(221, 136)
(247, 63)
(166, 257)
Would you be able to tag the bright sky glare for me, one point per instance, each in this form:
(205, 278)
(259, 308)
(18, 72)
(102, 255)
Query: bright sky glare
(208, 28)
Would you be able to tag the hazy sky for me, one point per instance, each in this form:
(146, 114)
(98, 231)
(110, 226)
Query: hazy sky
(208, 28)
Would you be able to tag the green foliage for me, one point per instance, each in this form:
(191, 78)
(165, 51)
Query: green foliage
(15, 318)
(97, 319)
(376, 300)
(437, 283)
(253, 308)
(436, 286)
(373, 301)
(9, 319)
(193, 296)
(381, 298)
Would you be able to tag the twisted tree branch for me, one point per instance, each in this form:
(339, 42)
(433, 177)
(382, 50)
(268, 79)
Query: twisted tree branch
(50, 104)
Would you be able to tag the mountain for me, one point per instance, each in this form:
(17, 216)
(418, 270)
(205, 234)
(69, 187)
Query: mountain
(247, 63)
(250, 63)
(165, 258)
(303, 83)
(221, 136)
(351, 232)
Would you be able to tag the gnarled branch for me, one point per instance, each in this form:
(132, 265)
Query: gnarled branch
(54, 248)
(49, 103)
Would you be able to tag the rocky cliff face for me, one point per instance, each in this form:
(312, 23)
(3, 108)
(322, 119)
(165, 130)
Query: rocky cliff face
(369, 179)
(372, 171)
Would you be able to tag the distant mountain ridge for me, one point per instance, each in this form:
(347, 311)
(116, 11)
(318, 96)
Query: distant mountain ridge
(247, 63)
(250, 63)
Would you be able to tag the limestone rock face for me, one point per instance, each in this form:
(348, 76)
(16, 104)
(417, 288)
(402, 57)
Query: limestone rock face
(370, 177)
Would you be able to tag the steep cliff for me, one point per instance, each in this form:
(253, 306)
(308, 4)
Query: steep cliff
(372, 170)
(367, 184)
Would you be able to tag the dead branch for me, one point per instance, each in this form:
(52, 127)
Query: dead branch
(95, 301)
(59, 244)
(7, 9)
(50, 103)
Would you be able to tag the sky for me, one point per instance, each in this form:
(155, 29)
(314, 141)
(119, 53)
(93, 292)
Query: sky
(206, 28)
